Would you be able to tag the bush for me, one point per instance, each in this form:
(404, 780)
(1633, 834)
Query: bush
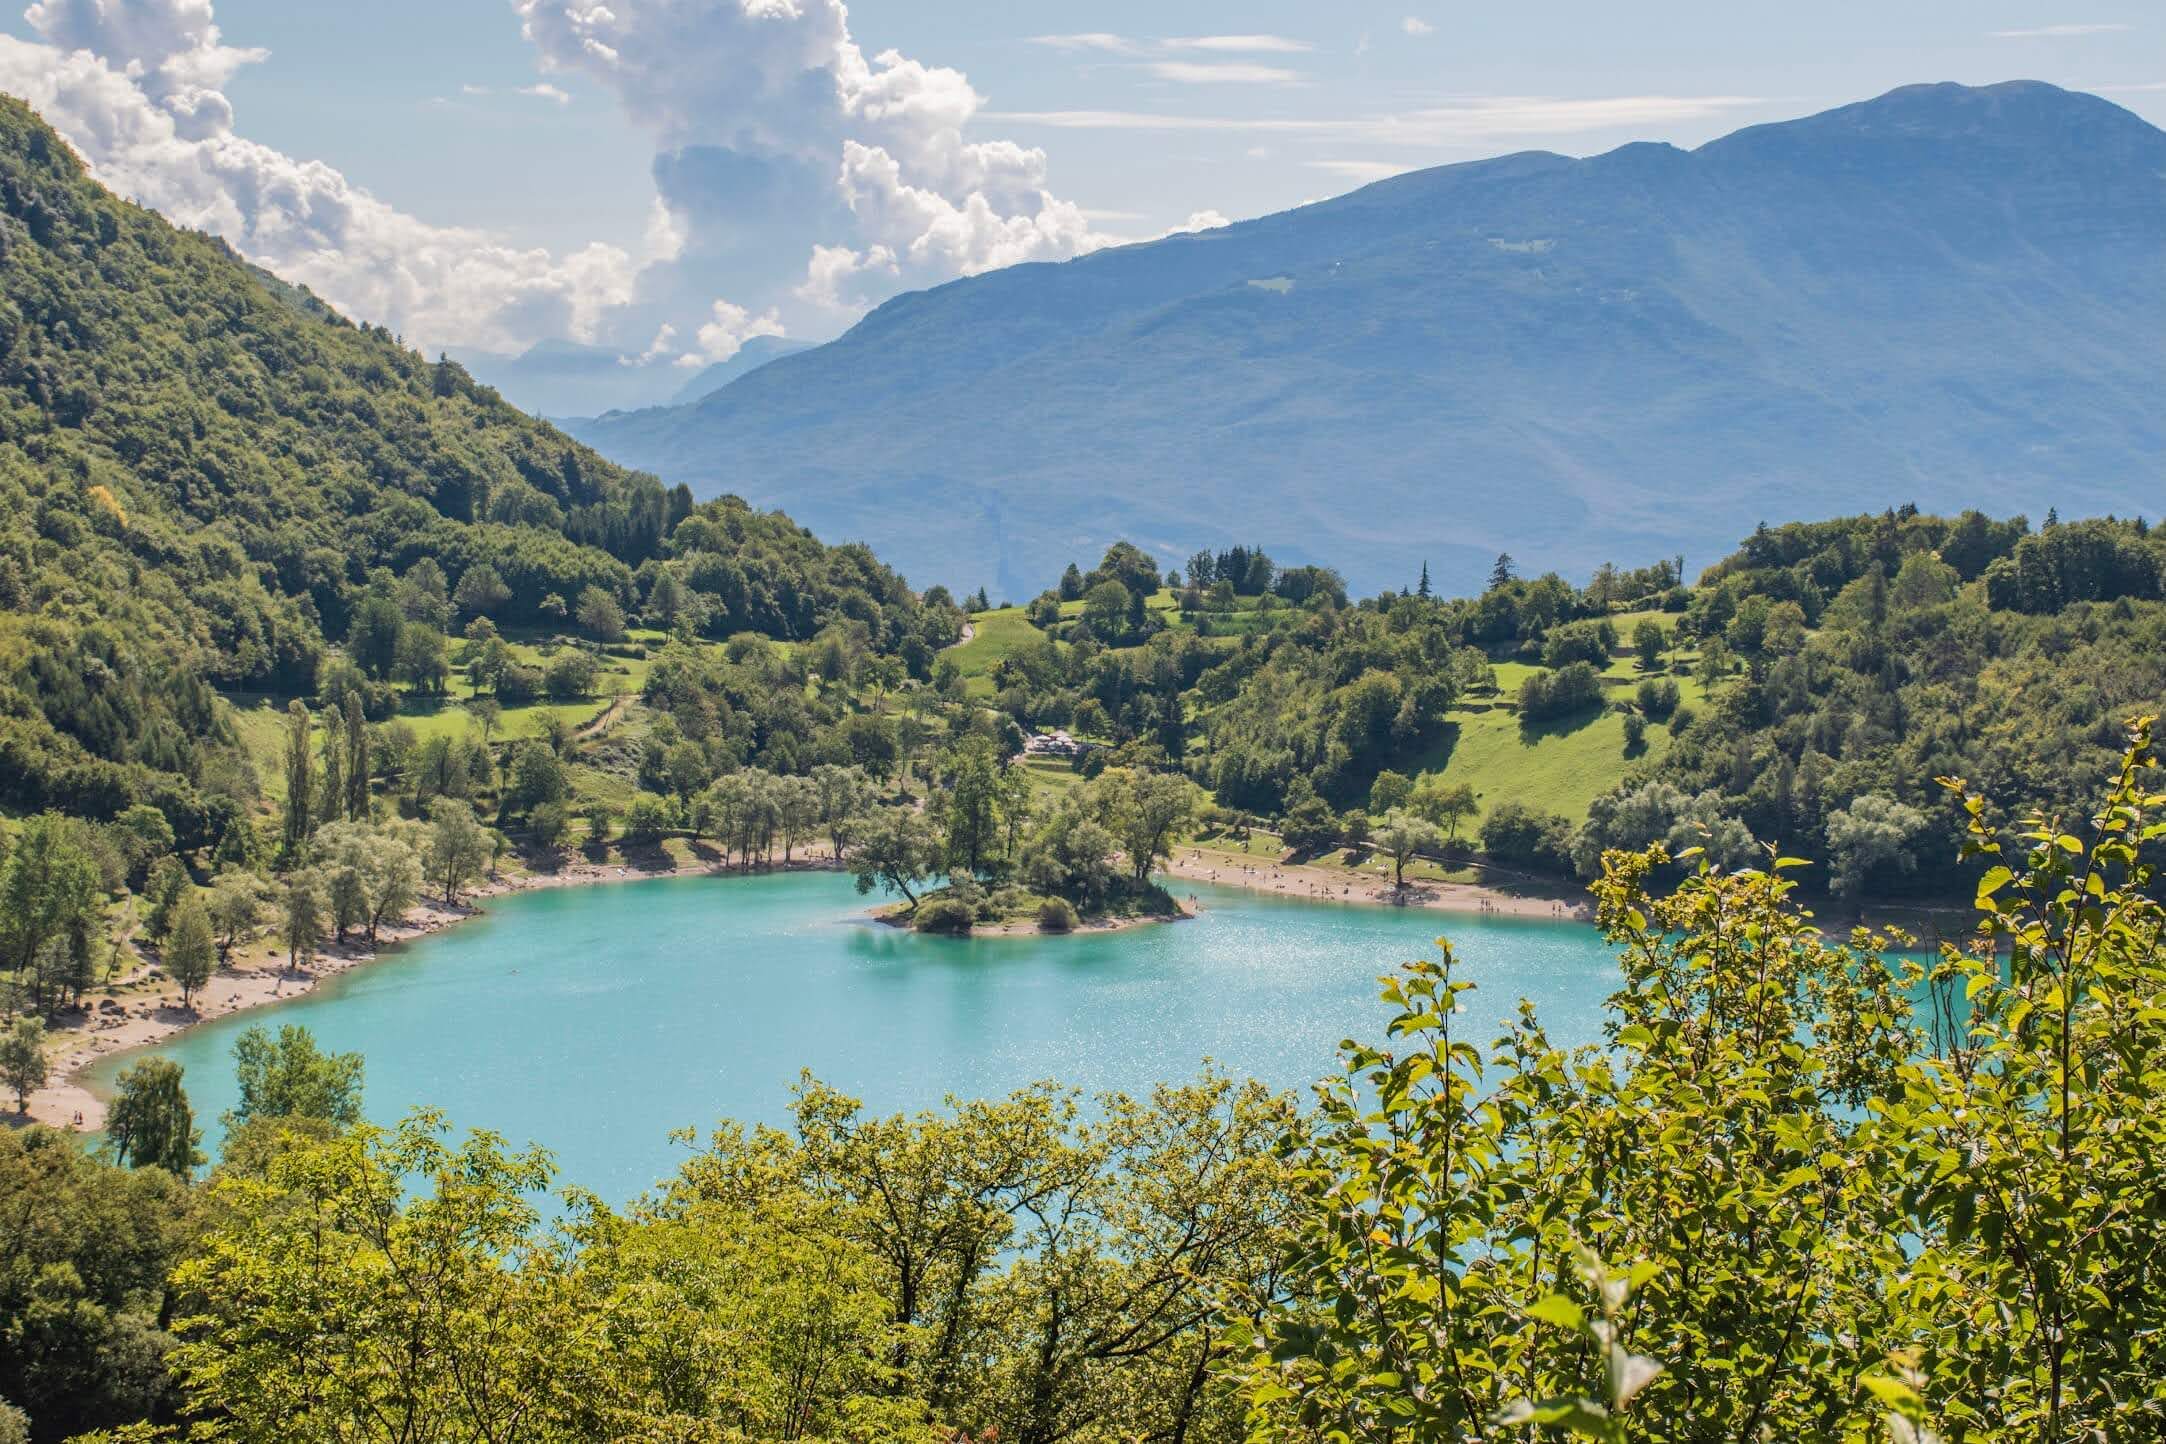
(1516, 833)
(1057, 915)
(1658, 698)
(1635, 730)
(519, 683)
(944, 915)
(570, 676)
(648, 819)
(1572, 688)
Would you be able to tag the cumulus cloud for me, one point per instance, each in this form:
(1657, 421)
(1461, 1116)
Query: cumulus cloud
(1415, 25)
(769, 108)
(133, 86)
(730, 326)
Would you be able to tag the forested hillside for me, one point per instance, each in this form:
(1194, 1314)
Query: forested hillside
(206, 477)
(1805, 691)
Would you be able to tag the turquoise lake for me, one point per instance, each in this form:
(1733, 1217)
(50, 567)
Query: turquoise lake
(593, 1020)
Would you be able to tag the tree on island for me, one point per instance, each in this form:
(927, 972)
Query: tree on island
(895, 851)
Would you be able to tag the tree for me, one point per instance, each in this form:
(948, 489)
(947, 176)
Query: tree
(301, 924)
(1146, 811)
(458, 846)
(22, 1059)
(150, 1124)
(1403, 836)
(372, 639)
(1501, 573)
(1106, 609)
(1071, 583)
(1421, 588)
(1873, 834)
(235, 907)
(893, 851)
(51, 901)
(144, 836)
(481, 591)
(973, 807)
(1648, 641)
(844, 793)
(1389, 791)
(300, 776)
(191, 953)
(1444, 804)
(357, 759)
(600, 615)
(289, 1076)
(375, 868)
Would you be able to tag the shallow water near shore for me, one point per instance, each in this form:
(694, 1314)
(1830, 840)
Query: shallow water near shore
(594, 1020)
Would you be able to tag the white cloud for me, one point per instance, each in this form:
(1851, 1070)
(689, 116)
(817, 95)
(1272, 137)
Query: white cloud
(1188, 72)
(1363, 171)
(1199, 221)
(1462, 122)
(1415, 25)
(134, 89)
(1242, 44)
(1091, 40)
(543, 90)
(751, 100)
(2054, 32)
(732, 325)
(663, 343)
(471, 89)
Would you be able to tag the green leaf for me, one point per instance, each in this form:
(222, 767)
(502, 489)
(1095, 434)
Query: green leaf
(1559, 1310)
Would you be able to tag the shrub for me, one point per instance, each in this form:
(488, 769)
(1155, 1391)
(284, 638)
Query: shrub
(570, 675)
(1056, 915)
(648, 819)
(1572, 688)
(944, 915)
(1658, 698)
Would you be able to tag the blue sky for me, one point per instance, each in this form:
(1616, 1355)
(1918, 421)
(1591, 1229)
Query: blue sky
(664, 179)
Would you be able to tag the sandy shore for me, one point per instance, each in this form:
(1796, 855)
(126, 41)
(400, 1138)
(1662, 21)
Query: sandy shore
(1370, 885)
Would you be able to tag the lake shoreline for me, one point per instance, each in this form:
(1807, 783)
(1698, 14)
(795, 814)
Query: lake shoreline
(141, 1012)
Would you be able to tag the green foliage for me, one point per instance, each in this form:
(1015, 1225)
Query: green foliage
(943, 915)
(190, 954)
(23, 1065)
(290, 1077)
(149, 1123)
(1823, 1216)
(83, 1271)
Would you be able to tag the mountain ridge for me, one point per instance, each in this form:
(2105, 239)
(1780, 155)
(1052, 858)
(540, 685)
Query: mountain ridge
(1624, 356)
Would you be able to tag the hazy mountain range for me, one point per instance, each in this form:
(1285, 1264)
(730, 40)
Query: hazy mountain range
(1950, 295)
(566, 378)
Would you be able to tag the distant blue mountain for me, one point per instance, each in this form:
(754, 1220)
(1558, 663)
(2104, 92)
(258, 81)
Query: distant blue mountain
(1947, 295)
(751, 356)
